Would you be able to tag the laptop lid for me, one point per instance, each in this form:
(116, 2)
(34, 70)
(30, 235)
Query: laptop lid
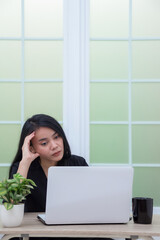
(87, 195)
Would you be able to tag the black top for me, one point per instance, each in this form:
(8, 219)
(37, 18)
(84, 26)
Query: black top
(36, 201)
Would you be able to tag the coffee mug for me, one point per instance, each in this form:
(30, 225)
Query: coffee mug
(142, 209)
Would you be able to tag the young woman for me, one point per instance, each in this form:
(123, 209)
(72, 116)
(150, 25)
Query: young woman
(42, 144)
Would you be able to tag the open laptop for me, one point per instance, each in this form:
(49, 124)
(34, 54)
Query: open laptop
(88, 195)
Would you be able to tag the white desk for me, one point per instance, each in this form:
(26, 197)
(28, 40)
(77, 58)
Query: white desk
(32, 227)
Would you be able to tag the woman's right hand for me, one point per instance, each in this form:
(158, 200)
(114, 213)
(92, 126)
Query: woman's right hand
(28, 153)
(28, 156)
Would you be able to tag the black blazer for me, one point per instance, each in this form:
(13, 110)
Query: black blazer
(36, 201)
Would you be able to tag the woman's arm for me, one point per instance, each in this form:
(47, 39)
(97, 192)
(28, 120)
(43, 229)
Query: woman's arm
(28, 156)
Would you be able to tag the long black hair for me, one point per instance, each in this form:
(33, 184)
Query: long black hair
(35, 122)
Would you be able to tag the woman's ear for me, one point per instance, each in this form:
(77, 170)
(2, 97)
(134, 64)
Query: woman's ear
(32, 149)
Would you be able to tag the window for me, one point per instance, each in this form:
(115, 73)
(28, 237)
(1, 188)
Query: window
(31, 69)
(125, 89)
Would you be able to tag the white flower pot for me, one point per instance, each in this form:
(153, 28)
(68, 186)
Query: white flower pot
(12, 217)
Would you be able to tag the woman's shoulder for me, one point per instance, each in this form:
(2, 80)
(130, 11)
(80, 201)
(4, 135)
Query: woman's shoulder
(78, 161)
(74, 160)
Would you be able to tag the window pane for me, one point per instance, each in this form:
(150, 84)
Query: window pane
(146, 18)
(43, 18)
(10, 18)
(109, 60)
(43, 59)
(109, 102)
(10, 101)
(145, 102)
(146, 182)
(10, 59)
(146, 142)
(109, 144)
(146, 55)
(4, 173)
(43, 98)
(109, 18)
(9, 139)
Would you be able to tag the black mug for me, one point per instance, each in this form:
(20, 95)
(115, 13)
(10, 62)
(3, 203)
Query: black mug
(142, 210)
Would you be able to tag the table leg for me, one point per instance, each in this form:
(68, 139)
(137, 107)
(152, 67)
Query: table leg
(134, 237)
(25, 236)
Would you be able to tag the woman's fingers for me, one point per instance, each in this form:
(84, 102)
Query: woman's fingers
(29, 138)
(27, 150)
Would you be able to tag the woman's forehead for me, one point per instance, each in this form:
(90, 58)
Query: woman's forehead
(44, 131)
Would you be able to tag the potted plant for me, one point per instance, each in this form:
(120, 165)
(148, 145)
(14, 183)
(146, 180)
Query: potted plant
(12, 194)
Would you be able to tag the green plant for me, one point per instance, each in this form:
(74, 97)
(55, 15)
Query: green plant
(13, 191)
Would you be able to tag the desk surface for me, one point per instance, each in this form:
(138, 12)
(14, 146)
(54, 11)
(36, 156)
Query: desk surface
(32, 226)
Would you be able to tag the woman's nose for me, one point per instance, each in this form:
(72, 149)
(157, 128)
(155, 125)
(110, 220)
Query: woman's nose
(53, 144)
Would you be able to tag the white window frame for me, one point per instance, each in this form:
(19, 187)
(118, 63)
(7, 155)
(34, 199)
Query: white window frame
(76, 76)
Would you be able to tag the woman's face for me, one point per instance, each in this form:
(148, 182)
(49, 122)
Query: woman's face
(48, 144)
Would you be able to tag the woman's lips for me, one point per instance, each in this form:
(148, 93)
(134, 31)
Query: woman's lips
(56, 154)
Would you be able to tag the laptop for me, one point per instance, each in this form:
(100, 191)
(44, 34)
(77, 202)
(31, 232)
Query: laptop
(88, 195)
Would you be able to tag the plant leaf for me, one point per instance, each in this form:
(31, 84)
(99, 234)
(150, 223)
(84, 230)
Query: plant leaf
(10, 180)
(8, 206)
(28, 186)
(32, 182)
(5, 198)
(17, 175)
(14, 185)
(3, 191)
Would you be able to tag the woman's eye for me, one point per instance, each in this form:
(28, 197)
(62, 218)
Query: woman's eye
(43, 144)
(56, 136)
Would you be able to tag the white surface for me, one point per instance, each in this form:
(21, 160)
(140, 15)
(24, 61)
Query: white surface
(12, 217)
(89, 195)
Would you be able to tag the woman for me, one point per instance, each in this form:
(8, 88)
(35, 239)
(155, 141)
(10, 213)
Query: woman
(42, 144)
